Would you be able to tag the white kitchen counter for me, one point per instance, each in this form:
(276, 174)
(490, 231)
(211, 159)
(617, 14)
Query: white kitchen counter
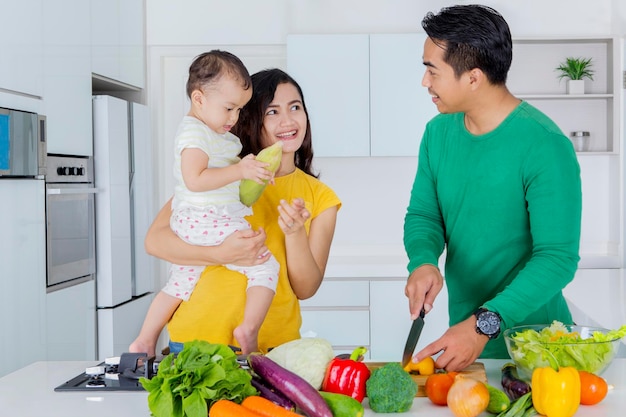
(29, 392)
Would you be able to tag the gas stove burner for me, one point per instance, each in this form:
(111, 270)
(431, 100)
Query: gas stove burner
(114, 374)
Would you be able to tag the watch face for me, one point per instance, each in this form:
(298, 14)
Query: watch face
(488, 322)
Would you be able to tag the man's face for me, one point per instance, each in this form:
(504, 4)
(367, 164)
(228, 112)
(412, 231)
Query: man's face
(448, 92)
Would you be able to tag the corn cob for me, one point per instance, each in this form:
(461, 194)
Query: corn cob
(249, 190)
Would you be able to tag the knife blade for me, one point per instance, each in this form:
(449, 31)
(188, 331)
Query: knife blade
(414, 335)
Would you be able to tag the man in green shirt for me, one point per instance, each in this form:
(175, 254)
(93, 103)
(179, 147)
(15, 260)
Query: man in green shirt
(498, 186)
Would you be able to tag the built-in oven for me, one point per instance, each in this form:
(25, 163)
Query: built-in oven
(70, 219)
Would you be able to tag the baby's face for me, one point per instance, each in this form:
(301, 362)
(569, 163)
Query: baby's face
(219, 103)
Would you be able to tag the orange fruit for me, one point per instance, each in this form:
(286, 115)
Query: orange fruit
(593, 388)
(438, 385)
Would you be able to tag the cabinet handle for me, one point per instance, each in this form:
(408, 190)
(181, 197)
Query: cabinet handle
(58, 191)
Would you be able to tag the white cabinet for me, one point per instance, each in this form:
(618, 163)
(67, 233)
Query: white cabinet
(339, 313)
(390, 320)
(21, 44)
(71, 323)
(124, 322)
(399, 106)
(333, 71)
(374, 313)
(67, 77)
(23, 274)
(117, 38)
(363, 92)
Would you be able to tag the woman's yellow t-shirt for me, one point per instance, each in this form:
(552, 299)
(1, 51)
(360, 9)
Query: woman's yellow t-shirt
(217, 303)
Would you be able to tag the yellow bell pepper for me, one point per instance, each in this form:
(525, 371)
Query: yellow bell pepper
(556, 393)
(424, 367)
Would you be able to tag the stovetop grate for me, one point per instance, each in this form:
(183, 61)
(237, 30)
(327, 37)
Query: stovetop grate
(107, 376)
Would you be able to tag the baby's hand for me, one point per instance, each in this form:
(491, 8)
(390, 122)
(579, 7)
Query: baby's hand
(254, 170)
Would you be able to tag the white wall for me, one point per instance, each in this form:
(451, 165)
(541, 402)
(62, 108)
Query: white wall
(198, 22)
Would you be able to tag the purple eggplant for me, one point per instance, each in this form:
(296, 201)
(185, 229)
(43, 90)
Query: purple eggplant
(271, 394)
(306, 398)
(511, 382)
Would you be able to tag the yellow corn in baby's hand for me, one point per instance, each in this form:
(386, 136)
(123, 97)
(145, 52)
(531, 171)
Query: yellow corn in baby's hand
(249, 190)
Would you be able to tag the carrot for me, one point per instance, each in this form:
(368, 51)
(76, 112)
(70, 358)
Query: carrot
(227, 408)
(266, 408)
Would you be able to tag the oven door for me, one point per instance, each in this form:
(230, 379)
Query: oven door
(71, 243)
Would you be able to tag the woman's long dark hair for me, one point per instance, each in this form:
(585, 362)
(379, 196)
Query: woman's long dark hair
(249, 128)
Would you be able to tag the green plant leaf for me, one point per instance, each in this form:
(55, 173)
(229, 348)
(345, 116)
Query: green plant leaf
(576, 68)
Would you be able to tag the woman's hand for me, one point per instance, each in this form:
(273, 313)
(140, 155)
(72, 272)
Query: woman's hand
(244, 248)
(292, 217)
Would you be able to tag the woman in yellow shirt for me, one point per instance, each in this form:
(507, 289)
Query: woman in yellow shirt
(294, 218)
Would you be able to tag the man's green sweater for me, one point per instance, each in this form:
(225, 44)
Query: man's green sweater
(506, 205)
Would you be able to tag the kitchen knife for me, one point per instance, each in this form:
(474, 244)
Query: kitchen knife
(414, 335)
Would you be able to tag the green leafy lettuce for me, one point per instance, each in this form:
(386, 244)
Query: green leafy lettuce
(556, 342)
(188, 384)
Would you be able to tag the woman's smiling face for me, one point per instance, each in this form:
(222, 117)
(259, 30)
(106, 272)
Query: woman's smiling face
(285, 119)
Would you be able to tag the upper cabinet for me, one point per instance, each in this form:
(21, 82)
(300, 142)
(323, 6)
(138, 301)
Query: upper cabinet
(533, 78)
(67, 76)
(363, 92)
(117, 39)
(333, 71)
(21, 45)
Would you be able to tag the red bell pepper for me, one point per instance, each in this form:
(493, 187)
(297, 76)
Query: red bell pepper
(347, 376)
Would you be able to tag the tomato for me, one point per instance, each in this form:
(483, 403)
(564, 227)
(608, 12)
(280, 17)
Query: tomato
(438, 385)
(593, 388)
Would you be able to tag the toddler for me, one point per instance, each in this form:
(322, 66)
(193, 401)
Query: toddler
(206, 206)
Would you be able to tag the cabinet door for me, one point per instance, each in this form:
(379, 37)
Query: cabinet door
(390, 321)
(23, 274)
(105, 38)
(21, 43)
(117, 33)
(400, 106)
(132, 50)
(338, 312)
(71, 323)
(333, 71)
(67, 77)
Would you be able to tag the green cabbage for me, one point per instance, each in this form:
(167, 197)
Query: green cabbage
(556, 342)
(307, 357)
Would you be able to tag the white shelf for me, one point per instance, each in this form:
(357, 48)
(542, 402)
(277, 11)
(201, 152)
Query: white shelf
(563, 96)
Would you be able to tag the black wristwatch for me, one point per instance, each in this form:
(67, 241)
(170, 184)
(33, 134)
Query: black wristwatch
(487, 322)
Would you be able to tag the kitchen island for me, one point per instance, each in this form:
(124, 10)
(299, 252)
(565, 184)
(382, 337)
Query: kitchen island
(29, 392)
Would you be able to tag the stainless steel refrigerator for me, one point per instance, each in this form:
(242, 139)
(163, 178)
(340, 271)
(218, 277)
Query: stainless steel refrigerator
(125, 277)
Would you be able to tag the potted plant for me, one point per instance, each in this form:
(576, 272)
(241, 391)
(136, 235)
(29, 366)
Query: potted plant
(576, 69)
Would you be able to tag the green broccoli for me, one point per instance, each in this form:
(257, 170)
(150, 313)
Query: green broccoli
(390, 389)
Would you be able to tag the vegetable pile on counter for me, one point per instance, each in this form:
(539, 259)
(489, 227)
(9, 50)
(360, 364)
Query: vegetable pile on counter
(206, 379)
(552, 392)
(189, 383)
